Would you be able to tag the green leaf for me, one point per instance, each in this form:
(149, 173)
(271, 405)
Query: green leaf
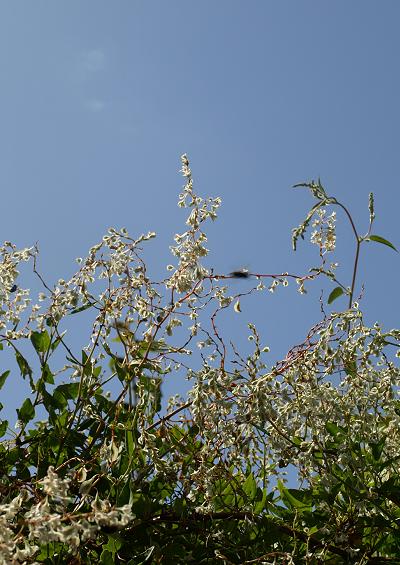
(106, 557)
(3, 378)
(47, 375)
(293, 498)
(113, 545)
(81, 308)
(87, 366)
(377, 448)
(3, 427)
(227, 497)
(27, 411)
(41, 341)
(250, 486)
(391, 489)
(51, 402)
(23, 364)
(122, 372)
(334, 429)
(336, 292)
(84, 357)
(69, 390)
(56, 343)
(49, 550)
(108, 350)
(382, 240)
(260, 504)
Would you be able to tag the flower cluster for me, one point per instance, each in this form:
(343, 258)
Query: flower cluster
(14, 301)
(26, 524)
(189, 248)
(325, 233)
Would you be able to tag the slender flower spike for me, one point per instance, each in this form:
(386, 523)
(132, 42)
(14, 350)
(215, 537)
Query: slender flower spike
(371, 207)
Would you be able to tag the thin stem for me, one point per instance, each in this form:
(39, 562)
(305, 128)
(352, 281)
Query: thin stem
(353, 281)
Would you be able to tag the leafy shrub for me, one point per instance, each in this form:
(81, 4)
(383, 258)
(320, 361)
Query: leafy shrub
(121, 477)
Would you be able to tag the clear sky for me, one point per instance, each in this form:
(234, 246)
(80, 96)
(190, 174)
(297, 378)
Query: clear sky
(99, 99)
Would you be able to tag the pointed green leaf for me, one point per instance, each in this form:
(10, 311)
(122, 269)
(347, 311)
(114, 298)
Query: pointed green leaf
(297, 440)
(81, 308)
(27, 411)
(336, 292)
(227, 497)
(377, 448)
(382, 240)
(260, 504)
(293, 498)
(23, 364)
(106, 557)
(3, 378)
(56, 342)
(50, 402)
(250, 486)
(69, 390)
(114, 543)
(334, 429)
(47, 375)
(40, 341)
(3, 427)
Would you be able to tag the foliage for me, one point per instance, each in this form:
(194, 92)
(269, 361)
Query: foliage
(91, 476)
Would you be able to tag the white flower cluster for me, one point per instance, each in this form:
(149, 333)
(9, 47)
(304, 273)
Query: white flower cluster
(325, 234)
(114, 259)
(14, 301)
(342, 380)
(51, 519)
(189, 246)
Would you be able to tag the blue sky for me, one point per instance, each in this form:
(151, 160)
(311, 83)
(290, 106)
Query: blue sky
(99, 99)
